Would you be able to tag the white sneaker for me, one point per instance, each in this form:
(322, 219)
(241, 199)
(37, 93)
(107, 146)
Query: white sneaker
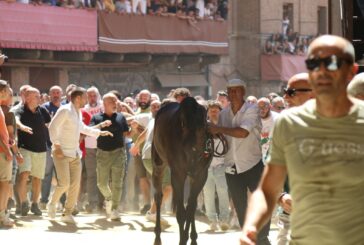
(59, 207)
(68, 219)
(234, 223)
(115, 216)
(108, 206)
(5, 221)
(52, 211)
(153, 218)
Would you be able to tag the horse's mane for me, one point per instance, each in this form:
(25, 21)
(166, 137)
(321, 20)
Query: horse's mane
(166, 107)
(193, 117)
(192, 114)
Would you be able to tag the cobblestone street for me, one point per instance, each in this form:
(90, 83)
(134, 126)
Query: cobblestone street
(96, 229)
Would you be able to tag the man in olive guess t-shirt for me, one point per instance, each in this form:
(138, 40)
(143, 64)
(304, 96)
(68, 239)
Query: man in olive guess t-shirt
(320, 145)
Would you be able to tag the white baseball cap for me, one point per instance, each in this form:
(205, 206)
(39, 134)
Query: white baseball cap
(236, 83)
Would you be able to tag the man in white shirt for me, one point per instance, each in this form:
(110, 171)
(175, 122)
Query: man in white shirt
(240, 124)
(64, 130)
(267, 117)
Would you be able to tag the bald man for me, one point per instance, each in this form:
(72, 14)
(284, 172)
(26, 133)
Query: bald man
(32, 142)
(320, 146)
(297, 92)
(111, 155)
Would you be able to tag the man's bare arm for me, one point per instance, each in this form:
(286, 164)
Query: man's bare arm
(234, 132)
(135, 149)
(23, 127)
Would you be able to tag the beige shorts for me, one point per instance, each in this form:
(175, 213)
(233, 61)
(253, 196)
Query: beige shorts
(6, 168)
(166, 174)
(34, 162)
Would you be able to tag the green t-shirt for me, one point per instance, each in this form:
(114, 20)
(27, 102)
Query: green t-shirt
(325, 163)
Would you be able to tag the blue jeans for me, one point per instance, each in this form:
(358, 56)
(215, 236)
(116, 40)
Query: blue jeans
(216, 180)
(125, 182)
(284, 226)
(47, 180)
(50, 169)
(94, 195)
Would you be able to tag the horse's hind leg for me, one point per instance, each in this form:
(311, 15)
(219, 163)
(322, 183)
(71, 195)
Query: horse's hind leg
(158, 202)
(196, 187)
(193, 232)
(178, 181)
(157, 177)
(190, 213)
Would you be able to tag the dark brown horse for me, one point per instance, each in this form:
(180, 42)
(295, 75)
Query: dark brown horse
(181, 141)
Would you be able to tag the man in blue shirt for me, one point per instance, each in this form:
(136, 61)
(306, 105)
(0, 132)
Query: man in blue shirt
(55, 94)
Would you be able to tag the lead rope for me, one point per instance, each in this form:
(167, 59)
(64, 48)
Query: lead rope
(225, 146)
(210, 146)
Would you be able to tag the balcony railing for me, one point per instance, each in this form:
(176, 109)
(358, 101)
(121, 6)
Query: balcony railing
(25, 26)
(281, 67)
(44, 27)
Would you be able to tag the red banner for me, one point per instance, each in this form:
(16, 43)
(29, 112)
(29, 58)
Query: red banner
(281, 67)
(45, 27)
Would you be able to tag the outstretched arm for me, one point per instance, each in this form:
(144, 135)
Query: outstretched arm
(234, 132)
(135, 149)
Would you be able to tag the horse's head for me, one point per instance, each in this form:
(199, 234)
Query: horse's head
(193, 117)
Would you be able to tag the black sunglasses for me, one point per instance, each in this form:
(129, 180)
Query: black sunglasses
(291, 92)
(332, 63)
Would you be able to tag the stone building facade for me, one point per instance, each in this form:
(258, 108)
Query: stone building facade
(251, 23)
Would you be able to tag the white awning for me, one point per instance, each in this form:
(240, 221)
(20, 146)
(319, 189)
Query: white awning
(185, 80)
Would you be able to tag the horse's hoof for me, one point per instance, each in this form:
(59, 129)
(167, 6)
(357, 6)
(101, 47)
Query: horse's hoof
(157, 241)
(183, 242)
(193, 242)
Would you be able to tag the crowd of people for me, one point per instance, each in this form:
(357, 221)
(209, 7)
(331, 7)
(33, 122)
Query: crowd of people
(292, 44)
(302, 152)
(107, 169)
(184, 9)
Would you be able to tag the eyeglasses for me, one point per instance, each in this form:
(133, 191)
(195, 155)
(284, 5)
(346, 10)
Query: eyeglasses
(291, 92)
(280, 108)
(332, 63)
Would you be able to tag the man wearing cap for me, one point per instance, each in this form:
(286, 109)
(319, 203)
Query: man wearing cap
(240, 123)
